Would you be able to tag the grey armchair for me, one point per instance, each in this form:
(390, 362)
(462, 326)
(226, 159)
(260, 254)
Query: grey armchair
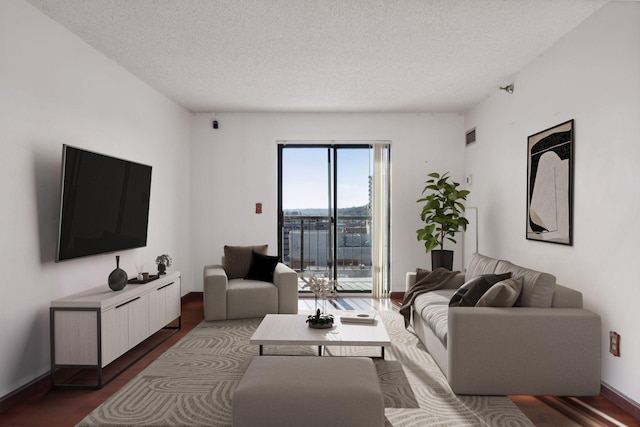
(247, 285)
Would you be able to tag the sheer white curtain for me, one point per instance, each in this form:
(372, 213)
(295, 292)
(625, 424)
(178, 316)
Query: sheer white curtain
(380, 213)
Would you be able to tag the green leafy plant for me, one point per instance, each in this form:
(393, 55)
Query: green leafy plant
(442, 211)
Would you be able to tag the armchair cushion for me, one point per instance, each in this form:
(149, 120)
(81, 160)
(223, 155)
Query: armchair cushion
(262, 267)
(237, 259)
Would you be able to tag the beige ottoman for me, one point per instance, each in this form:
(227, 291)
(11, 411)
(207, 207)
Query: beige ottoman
(309, 391)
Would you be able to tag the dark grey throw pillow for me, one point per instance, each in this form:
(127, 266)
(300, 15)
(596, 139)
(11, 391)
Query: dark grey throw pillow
(262, 267)
(471, 292)
(455, 299)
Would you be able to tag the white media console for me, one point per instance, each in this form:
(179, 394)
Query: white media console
(92, 328)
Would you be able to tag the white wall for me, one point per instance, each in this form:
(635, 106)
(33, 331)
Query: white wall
(54, 90)
(236, 166)
(592, 75)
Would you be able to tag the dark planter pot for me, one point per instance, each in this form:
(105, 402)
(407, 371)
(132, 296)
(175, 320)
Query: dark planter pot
(320, 325)
(442, 259)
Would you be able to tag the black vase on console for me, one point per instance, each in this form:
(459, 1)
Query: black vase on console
(118, 277)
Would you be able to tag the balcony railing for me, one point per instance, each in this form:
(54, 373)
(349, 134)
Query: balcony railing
(307, 248)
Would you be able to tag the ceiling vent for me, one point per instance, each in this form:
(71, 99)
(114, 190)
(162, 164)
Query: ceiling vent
(470, 136)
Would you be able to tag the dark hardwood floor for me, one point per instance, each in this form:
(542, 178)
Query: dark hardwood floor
(44, 406)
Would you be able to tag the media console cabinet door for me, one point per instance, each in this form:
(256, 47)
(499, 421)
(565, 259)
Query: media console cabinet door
(76, 337)
(164, 304)
(138, 320)
(172, 306)
(123, 327)
(115, 334)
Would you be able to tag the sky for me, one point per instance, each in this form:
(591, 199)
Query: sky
(305, 174)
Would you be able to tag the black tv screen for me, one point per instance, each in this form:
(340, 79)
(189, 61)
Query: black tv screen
(105, 204)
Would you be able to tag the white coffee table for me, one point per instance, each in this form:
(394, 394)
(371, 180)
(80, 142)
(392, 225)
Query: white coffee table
(292, 329)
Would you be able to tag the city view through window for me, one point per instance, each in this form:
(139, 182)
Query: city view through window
(319, 185)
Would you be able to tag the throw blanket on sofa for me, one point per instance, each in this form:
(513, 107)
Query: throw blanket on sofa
(425, 281)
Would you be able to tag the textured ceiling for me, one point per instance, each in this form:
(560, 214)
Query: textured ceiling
(322, 55)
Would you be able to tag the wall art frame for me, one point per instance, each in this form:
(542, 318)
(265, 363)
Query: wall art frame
(550, 158)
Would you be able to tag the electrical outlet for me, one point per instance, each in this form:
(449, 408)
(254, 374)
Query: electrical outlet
(614, 343)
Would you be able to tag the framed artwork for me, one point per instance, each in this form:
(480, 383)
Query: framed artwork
(550, 184)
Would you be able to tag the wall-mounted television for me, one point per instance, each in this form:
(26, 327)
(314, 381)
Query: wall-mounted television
(104, 204)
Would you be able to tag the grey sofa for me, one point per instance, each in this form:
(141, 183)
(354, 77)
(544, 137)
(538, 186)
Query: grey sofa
(548, 345)
(227, 294)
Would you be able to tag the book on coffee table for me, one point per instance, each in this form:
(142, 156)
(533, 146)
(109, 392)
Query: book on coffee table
(366, 318)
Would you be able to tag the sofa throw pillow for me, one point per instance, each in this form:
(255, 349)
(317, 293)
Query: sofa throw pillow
(478, 286)
(455, 299)
(262, 267)
(502, 294)
(237, 259)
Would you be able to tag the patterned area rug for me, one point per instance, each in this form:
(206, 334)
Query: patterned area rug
(192, 383)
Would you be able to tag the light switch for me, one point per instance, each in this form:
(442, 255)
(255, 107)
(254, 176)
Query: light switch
(258, 208)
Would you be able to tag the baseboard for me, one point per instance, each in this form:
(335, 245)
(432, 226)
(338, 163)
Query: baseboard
(625, 403)
(581, 415)
(192, 296)
(42, 384)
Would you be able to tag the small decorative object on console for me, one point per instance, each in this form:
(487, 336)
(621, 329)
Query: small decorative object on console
(164, 261)
(146, 278)
(140, 270)
(118, 277)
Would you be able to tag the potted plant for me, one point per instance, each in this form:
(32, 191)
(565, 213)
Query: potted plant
(321, 288)
(442, 213)
(320, 321)
(164, 261)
